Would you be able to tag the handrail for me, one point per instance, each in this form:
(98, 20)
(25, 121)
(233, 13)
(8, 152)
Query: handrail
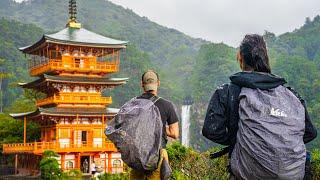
(39, 147)
(76, 98)
(56, 64)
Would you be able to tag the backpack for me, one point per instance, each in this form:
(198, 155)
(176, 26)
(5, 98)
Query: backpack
(269, 142)
(136, 131)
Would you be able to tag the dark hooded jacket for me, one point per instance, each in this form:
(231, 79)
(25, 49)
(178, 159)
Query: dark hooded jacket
(221, 121)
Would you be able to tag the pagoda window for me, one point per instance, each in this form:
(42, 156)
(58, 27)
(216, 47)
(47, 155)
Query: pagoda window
(75, 53)
(35, 60)
(83, 89)
(116, 166)
(32, 61)
(107, 58)
(69, 165)
(84, 136)
(55, 54)
(81, 65)
(66, 88)
(76, 89)
(84, 120)
(65, 53)
(95, 121)
(62, 121)
(77, 62)
(66, 121)
(116, 163)
(43, 59)
(54, 133)
(91, 89)
(43, 134)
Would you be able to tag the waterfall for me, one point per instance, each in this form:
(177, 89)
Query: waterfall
(185, 124)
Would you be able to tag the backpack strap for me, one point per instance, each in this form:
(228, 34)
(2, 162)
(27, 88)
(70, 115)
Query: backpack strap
(154, 99)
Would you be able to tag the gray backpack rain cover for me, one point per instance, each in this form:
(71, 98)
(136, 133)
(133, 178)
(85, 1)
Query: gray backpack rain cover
(270, 137)
(136, 131)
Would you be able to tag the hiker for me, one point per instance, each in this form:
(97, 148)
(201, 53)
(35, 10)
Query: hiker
(85, 166)
(150, 83)
(93, 169)
(264, 124)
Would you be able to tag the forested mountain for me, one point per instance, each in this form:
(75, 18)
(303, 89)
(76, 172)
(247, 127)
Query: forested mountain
(14, 34)
(296, 56)
(168, 49)
(106, 18)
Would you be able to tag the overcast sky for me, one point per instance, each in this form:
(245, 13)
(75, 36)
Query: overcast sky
(225, 20)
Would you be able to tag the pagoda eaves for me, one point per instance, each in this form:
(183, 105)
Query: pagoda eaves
(54, 111)
(104, 82)
(76, 37)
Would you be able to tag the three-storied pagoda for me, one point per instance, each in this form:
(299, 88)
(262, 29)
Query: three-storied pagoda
(72, 67)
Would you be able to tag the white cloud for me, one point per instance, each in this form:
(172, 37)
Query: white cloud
(226, 20)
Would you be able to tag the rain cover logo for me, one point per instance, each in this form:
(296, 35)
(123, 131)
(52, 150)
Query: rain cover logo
(277, 112)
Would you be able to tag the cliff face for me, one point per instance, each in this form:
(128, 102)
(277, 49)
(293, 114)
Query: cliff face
(197, 140)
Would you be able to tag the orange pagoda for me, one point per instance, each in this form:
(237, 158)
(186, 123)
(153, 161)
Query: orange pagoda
(73, 68)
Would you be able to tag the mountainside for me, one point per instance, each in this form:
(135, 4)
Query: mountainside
(170, 51)
(14, 34)
(106, 18)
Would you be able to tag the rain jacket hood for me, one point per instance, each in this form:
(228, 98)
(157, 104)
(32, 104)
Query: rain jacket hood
(257, 80)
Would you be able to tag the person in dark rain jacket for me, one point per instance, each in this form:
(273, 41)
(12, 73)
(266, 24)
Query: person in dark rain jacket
(223, 123)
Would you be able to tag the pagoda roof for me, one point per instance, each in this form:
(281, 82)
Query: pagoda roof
(74, 79)
(59, 111)
(77, 37)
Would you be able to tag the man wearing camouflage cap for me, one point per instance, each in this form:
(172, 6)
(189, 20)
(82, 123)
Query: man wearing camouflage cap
(150, 83)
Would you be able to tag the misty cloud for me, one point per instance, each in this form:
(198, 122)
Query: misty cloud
(226, 20)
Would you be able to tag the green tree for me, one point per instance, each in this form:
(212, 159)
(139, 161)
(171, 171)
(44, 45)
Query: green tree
(49, 166)
(3, 75)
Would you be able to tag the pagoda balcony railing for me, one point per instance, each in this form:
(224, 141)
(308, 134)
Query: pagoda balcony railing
(75, 98)
(58, 65)
(40, 147)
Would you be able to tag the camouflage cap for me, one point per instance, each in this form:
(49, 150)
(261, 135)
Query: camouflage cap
(150, 81)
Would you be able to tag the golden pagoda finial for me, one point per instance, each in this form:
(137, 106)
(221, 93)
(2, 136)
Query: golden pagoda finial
(73, 15)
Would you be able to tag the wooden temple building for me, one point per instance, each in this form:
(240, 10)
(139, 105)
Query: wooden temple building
(72, 68)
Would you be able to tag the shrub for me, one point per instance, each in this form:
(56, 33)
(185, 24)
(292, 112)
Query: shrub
(189, 164)
(107, 176)
(315, 162)
(49, 166)
(73, 174)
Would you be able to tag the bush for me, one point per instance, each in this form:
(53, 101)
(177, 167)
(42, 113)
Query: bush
(73, 174)
(107, 176)
(49, 166)
(189, 164)
(315, 162)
